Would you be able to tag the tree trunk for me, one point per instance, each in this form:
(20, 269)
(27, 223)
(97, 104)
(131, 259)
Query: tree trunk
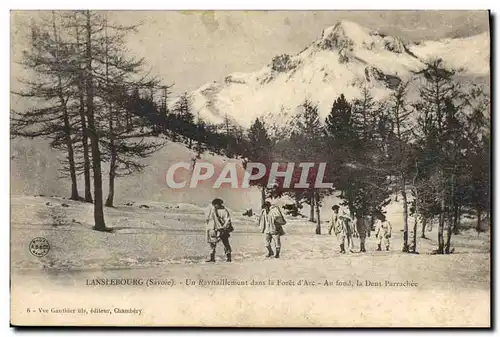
(402, 177)
(424, 224)
(71, 158)
(415, 223)
(448, 235)
(451, 217)
(112, 145)
(441, 226)
(318, 219)
(112, 167)
(405, 215)
(262, 194)
(111, 193)
(67, 126)
(311, 203)
(417, 210)
(456, 220)
(478, 226)
(86, 157)
(69, 145)
(85, 136)
(447, 247)
(414, 243)
(94, 137)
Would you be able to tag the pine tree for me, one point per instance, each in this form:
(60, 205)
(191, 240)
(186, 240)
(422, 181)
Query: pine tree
(399, 115)
(182, 112)
(122, 143)
(164, 111)
(47, 58)
(307, 146)
(90, 30)
(78, 68)
(453, 145)
(356, 154)
(340, 132)
(364, 112)
(259, 150)
(438, 88)
(475, 178)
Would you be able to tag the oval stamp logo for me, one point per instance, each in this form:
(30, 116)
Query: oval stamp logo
(39, 247)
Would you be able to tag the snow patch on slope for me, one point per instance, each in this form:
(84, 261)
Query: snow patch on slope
(472, 54)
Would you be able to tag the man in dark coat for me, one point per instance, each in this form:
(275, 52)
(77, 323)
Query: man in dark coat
(363, 227)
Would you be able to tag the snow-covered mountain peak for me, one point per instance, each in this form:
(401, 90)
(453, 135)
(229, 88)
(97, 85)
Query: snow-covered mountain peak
(349, 35)
(345, 30)
(343, 60)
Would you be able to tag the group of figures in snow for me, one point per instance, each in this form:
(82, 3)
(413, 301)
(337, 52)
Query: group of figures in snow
(271, 222)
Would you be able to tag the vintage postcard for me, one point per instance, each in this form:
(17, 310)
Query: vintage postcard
(250, 168)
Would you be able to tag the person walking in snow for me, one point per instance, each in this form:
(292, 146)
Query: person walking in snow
(218, 228)
(363, 229)
(271, 222)
(383, 232)
(341, 225)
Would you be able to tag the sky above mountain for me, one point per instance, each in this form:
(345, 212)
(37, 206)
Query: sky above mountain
(190, 48)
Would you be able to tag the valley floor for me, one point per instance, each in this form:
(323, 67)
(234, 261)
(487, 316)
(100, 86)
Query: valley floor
(163, 245)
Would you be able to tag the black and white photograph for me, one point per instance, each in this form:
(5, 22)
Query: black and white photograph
(250, 168)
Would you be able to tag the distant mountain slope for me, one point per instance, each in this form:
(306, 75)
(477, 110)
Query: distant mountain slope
(35, 169)
(345, 58)
(472, 54)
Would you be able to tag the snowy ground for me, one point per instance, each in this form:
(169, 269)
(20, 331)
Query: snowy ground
(166, 242)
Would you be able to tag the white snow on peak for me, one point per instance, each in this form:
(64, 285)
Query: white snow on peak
(344, 59)
(471, 54)
(347, 29)
(350, 35)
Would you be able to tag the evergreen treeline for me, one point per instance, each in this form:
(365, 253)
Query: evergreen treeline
(436, 148)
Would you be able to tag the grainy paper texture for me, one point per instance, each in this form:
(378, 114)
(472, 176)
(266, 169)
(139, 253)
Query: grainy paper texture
(348, 150)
